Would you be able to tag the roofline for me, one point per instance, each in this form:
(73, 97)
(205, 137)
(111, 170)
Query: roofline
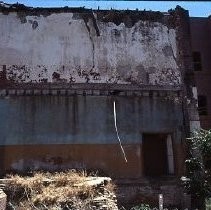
(21, 7)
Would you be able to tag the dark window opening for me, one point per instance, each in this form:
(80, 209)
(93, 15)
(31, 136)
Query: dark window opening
(155, 154)
(202, 105)
(197, 61)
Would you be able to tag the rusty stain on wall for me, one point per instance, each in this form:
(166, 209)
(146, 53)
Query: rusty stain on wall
(22, 158)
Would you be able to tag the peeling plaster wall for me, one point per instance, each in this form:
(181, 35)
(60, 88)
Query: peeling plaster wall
(66, 47)
(40, 130)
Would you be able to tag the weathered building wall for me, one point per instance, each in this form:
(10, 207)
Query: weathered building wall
(84, 119)
(60, 71)
(72, 130)
(106, 52)
(89, 46)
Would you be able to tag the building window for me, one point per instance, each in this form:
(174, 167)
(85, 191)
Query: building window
(197, 61)
(157, 155)
(202, 105)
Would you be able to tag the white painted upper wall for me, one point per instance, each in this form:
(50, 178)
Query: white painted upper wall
(34, 50)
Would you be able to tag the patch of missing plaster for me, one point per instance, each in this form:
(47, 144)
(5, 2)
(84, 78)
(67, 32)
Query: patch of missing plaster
(136, 75)
(44, 80)
(129, 18)
(18, 73)
(72, 79)
(22, 17)
(34, 24)
(95, 75)
(56, 77)
(113, 78)
(165, 77)
(87, 75)
(83, 74)
(133, 77)
(116, 32)
(142, 76)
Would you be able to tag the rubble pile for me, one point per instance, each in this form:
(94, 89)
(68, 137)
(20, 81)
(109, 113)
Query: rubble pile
(59, 191)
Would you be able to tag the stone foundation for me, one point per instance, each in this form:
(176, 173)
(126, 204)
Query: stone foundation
(146, 191)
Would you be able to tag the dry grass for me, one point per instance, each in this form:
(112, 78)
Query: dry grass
(51, 191)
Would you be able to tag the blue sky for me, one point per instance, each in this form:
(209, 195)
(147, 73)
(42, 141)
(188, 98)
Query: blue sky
(196, 9)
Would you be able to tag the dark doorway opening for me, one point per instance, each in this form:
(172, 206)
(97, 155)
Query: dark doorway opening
(155, 154)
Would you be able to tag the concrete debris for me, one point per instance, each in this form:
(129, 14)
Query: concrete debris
(95, 181)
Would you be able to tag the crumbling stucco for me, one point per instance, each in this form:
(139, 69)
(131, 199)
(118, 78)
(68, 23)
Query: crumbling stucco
(89, 47)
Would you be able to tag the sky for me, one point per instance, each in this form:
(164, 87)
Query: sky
(196, 9)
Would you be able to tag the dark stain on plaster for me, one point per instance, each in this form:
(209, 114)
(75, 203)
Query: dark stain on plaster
(84, 74)
(86, 17)
(3, 77)
(167, 51)
(55, 76)
(129, 18)
(44, 80)
(72, 79)
(122, 69)
(95, 75)
(142, 75)
(95, 24)
(17, 73)
(22, 17)
(116, 32)
(170, 77)
(34, 24)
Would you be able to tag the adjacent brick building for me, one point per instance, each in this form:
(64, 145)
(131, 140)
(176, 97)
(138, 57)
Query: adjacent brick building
(201, 46)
